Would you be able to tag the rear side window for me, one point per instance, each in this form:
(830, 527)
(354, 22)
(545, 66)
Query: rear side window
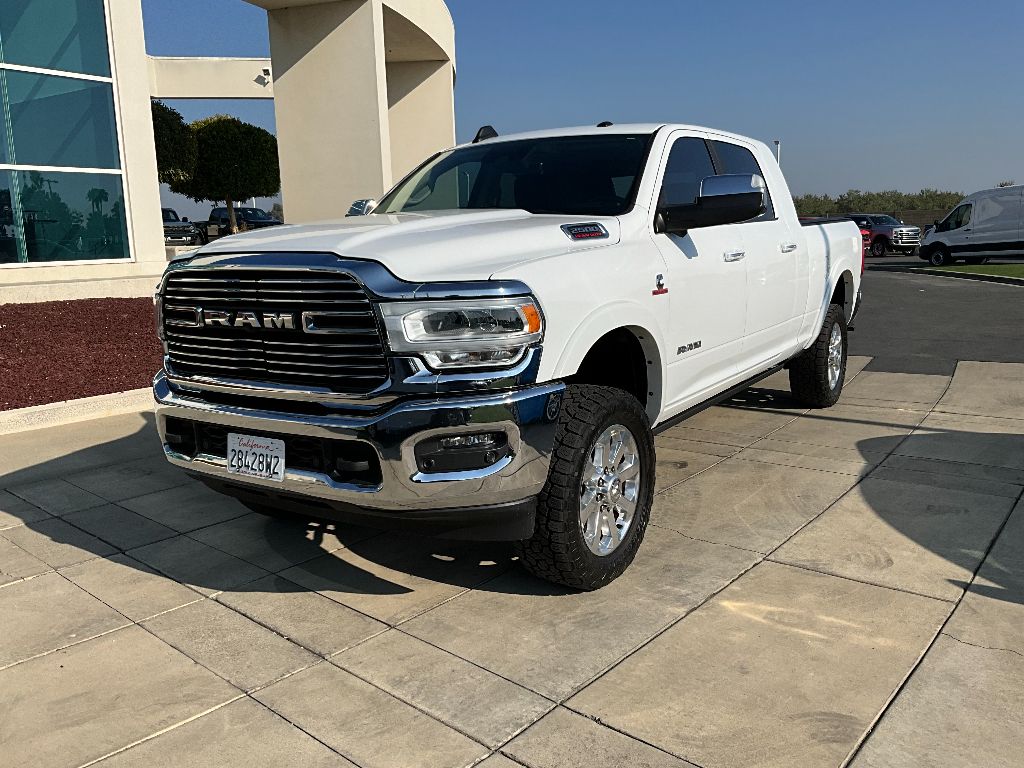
(732, 158)
(688, 164)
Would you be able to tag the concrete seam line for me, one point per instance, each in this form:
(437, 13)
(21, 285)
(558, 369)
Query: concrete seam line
(72, 411)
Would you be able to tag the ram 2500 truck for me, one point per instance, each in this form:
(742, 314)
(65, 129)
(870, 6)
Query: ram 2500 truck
(488, 353)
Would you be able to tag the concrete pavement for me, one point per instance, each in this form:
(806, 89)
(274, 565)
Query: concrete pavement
(816, 587)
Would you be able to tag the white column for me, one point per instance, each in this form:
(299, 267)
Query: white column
(330, 101)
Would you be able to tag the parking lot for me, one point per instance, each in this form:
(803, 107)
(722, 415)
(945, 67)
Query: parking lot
(816, 587)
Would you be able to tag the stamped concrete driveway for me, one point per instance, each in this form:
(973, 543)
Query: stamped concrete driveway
(816, 588)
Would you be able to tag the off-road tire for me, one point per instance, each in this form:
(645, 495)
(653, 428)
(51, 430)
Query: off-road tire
(809, 373)
(939, 257)
(557, 551)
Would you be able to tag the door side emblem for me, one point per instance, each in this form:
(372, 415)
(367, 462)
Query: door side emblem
(660, 289)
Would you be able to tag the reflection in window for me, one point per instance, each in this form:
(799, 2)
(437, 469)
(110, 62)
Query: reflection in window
(49, 216)
(67, 35)
(59, 121)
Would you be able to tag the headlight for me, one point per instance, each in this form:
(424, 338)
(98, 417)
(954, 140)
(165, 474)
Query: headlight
(475, 333)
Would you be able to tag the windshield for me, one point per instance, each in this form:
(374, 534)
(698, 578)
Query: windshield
(885, 220)
(574, 175)
(252, 213)
(170, 215)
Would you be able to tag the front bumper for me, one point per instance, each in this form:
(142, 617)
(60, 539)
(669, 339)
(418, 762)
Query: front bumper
(404, 494)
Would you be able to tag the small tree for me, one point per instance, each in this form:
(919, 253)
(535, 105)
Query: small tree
(175, 144)
(1007, 183)
(236, 161)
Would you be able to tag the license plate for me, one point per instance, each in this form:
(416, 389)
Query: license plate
(261, 457)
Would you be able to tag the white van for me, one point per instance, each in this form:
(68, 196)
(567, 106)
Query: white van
(986, 225)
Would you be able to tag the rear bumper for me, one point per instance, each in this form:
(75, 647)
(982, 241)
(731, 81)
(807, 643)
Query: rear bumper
(404, 496)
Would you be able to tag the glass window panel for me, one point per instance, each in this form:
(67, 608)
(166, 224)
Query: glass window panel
(69, 35)
(66, 217)
(60, 120)
(8, 245)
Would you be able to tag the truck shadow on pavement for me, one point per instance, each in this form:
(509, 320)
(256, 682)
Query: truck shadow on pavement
(239, 551)
(235, 549)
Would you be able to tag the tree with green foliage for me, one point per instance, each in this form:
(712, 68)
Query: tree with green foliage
(176, 150)
(236, 161)
(888, 201)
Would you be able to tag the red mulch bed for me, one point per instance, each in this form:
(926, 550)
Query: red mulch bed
(63, 350)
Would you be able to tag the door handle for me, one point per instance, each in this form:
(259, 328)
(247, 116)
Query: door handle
(735, 256)
(788, 247)
(967, 230)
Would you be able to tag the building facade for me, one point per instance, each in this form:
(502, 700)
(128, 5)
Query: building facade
(363, 86)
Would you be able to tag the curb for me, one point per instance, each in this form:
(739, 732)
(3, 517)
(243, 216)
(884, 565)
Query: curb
(72, 411)
(941, 273)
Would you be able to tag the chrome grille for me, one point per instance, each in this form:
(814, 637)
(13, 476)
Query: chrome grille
(350, 359)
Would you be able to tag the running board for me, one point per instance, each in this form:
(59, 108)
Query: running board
(681, 417)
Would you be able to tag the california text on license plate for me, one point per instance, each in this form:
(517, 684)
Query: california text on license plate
(261, 457)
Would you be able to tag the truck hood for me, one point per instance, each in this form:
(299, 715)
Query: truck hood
(426, 247)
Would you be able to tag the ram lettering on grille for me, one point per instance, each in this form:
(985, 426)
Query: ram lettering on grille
(303, 329)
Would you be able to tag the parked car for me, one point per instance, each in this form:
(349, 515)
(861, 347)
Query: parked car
(489, 352)
(179, 231)
(887, 233)
(245, 219)
(988, 224)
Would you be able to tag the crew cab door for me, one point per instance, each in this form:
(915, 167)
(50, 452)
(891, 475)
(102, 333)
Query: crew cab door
(706, 278)
(775, 259)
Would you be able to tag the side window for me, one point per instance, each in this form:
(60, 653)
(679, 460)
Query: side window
(688, 164)
(736, 159)
(960, 217)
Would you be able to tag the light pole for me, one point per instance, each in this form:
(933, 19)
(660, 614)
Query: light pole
(778, 151)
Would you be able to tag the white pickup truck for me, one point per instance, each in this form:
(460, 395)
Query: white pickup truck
(489, 351)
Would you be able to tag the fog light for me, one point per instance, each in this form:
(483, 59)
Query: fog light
(455, 442)
(462, 453)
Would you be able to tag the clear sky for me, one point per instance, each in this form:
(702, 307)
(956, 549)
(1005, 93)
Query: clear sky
(868, 95)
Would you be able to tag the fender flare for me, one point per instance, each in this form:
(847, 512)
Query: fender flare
(602, 321)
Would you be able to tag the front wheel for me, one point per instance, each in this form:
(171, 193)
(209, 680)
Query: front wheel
(878, 247)
(816, 377)
(939, 257)
(595, 506)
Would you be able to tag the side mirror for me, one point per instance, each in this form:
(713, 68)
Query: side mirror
(362, 207)
(726, 199)
(184, 218)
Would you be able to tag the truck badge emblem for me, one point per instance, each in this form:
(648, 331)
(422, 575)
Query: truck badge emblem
(588, 231)
(660, 289)
(689, 347)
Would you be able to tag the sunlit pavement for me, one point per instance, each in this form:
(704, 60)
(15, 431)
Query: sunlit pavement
(815, 587)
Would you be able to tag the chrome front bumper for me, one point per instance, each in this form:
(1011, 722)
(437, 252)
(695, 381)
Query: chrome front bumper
(527, 416)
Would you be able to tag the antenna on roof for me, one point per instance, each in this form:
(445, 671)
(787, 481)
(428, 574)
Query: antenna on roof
(605, 124)
(485, 133)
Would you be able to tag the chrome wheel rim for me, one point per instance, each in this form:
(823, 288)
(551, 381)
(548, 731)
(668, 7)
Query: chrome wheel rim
(610, 490)
(835, 356)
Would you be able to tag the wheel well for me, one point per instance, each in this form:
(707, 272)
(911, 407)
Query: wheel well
(625, 359)
(843, 295)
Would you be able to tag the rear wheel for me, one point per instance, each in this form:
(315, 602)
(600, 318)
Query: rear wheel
(595, 506)
(816, 377)
(878, 247)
